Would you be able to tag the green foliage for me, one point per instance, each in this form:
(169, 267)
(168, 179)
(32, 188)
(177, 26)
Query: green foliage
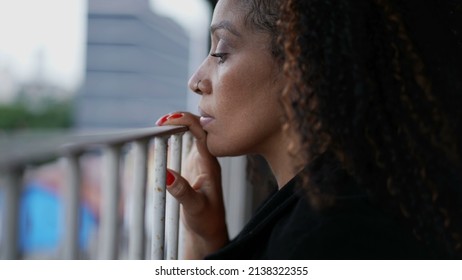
(48, 114)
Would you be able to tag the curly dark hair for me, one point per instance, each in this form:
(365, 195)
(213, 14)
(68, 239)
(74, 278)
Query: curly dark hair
(358, 90)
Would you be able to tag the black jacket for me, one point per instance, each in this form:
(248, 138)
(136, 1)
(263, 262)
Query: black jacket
(287, 227)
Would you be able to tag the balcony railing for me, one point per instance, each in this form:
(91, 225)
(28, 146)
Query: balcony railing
(167, 143)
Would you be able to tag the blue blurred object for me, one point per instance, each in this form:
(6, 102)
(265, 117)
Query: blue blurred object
(41, 225)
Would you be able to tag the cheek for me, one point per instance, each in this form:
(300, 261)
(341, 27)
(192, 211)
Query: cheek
(248, 87)
(246, 104)
(233, 89)
(237, 98)
(248, 113)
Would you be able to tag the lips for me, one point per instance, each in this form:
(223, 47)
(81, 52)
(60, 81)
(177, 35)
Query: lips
(205, 118)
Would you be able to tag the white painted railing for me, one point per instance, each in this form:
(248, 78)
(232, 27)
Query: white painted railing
(165, 210)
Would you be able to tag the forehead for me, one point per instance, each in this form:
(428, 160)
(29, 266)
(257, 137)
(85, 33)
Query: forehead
(232, 16)
(231, 11)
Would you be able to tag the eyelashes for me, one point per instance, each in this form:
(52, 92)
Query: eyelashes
(220, 56)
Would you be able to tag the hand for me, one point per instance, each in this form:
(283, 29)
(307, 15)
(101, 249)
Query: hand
(200, 192)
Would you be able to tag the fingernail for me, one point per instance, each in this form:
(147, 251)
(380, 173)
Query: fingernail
(175, 116)
(162, 120)
(167, 117)
(170, 178)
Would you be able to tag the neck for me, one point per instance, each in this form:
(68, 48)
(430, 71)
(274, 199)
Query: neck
(283, 160)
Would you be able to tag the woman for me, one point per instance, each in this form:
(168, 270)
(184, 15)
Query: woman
(334, 97)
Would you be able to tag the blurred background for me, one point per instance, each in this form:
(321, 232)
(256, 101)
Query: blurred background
(96, 63)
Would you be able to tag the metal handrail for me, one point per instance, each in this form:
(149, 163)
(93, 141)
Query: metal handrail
(71, 148)
(46, 149)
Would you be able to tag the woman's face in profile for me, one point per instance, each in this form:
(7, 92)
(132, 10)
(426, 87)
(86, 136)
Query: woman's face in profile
(240, 85)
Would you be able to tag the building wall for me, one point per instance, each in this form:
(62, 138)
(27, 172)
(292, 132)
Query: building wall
(136, 66)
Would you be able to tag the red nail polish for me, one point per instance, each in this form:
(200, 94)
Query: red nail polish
(162, 120)
(170, 178)
(175, 116)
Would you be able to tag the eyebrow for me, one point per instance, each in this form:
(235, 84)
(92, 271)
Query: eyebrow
(226, 25)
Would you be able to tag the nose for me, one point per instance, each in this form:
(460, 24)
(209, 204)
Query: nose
(199, 82)
(194, 84)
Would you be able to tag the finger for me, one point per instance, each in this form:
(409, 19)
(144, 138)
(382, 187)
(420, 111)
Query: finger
(193, 124)
(180, 189)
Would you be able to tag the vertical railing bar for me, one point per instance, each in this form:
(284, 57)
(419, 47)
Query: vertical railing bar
(158, 226)
(136, 242)
(173, 207)
(186, 148)
(13, 187)
(72, 201)
(109, 231)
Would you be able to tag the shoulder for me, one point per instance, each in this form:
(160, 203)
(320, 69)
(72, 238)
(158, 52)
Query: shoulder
(356, 230)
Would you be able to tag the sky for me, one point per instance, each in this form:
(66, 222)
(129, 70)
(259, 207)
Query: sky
(46, 38)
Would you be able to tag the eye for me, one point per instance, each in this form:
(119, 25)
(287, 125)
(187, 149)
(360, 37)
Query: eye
(221, 57)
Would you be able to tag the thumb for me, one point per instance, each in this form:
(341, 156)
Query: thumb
(182, 191)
